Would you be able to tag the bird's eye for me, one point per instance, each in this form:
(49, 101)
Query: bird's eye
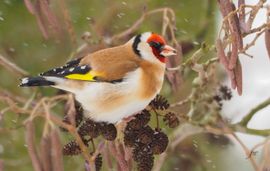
(156, 45)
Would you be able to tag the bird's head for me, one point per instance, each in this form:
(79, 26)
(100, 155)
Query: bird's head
(152, 47)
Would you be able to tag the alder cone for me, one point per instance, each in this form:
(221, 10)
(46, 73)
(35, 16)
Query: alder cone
(71, 148)
(109, 132)
(160, 142)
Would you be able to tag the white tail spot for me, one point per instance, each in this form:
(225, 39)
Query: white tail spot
(25, 80)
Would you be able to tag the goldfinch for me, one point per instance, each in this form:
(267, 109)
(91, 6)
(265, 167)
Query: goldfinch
(113, 83)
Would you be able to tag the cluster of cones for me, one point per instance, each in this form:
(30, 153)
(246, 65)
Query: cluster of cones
(138, 135)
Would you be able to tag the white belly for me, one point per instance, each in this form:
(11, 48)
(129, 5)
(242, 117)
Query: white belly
(108, 102)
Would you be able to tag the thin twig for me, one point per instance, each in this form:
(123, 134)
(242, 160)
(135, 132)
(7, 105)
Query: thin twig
(252, 43)
(120, 158)
(138, 23)
(249, 116)
(45, 152)
(254, 12)
(12, 66)
(1, 165)
(247, 151)
(56, 155)
(29, 137)
(68, 23)
(157, 119)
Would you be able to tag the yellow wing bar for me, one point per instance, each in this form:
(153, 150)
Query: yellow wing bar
(89, 76)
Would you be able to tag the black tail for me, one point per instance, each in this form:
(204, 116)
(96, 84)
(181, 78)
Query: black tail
(35, 81)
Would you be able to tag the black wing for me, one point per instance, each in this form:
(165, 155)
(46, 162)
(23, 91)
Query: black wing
(71, 67)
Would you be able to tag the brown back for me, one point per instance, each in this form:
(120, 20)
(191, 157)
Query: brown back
(113, 63)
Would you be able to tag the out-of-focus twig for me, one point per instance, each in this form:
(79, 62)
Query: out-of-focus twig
(72, 130)
(46, 18)
(249, 116)
(242, 15)
(70, 109)
(67, 20)
(1, 165)
(56, 151)
(252, 43)
(168, 29)
(45, 152)
(29, 138)
(108, 157)
(135, 26)
(267, 33)
(12, 66)
(254, 12)
(119, 157)
(177, 137)
(247, 151)
(265, 164)
(235, 28)
(254, 148)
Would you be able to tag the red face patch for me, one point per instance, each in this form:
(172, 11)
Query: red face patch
(157, 42)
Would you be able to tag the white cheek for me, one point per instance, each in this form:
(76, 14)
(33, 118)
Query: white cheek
(147, 53)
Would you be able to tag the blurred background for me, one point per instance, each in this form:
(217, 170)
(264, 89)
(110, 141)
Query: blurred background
(88, 22)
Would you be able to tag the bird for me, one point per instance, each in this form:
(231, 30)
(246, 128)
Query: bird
(113, 83)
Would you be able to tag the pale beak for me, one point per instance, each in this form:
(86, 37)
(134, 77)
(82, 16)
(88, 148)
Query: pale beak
(168, 51)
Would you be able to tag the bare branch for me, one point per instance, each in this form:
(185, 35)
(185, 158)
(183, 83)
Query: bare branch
(242, 15)
(29, 5)
(265, 164)
(249, 116)
(56, 151)
(267, 33)
(68, 22)
(137, 24)
(119, 157)
(247, 151)
(254, 13)
(45, 152)
(29, 138)
(1, 165)
(12, 66)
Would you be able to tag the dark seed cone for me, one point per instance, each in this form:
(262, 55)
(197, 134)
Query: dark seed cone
(140, 151)
(71, 148)
(144, 117)
(171, 120)
(98, 162)
(89, 128)
(146, 164)
(86, 141)
(79, 113)
(134, 124)
(145, 135)
(78, 116)
(218, 99)
(160, 103)
(109, 132)
(226, 92)
(143, 155)
(140, 120)
(130, 137)
(160, 142)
